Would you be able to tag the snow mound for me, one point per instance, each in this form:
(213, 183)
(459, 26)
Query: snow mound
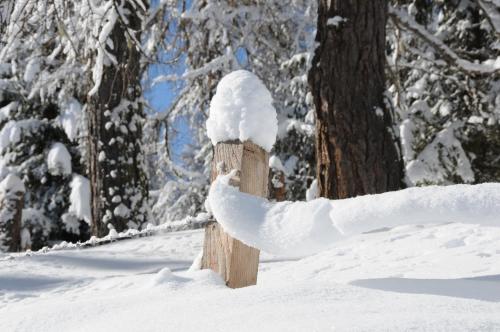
(461, 203)
(59, 160)
(303, 228)
(242, 109)
(163, 276)
(200, 278)
(290, 228)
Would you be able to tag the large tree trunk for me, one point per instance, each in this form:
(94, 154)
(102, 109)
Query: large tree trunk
(357, 151)
(115, 119)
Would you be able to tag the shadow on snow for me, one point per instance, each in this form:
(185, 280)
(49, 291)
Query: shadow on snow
(484, 288)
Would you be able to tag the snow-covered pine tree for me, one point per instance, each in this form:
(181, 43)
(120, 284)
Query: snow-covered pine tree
(40, 113)
(444, 72)
(273, 39)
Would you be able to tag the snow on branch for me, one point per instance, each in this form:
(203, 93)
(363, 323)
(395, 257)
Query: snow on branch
(107, 25)
(211, 66)
(488, 67)
(491, 10)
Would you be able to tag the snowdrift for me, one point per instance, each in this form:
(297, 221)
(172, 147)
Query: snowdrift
(303, 228)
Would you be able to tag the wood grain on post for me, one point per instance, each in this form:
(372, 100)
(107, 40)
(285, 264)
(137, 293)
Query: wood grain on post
(234, 261)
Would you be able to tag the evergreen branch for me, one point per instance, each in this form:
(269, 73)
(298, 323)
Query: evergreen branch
(405, 22)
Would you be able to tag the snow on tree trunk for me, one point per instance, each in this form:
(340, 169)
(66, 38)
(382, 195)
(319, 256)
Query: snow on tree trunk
(11, 209)
(356, 148)
(115, 118)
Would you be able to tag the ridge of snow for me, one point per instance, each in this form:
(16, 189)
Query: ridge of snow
(303, 228)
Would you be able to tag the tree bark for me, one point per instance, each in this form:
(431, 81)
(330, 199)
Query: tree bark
(115, 119)
(356, 148)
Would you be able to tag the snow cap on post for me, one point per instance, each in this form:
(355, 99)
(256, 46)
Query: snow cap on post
(242, 109)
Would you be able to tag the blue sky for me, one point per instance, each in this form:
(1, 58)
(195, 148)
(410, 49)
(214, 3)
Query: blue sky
(161, 95)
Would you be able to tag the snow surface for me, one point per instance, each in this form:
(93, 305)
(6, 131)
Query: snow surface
(242, 109)
(59, 160)
(418, 278)
(301, 228)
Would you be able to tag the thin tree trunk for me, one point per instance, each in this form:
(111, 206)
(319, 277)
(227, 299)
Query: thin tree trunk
(115, 118)
(356, 149)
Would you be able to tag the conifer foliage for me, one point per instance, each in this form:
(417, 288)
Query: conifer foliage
(443, 79)
(41, 108)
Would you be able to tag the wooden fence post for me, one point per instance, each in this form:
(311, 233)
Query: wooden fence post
(236, 262)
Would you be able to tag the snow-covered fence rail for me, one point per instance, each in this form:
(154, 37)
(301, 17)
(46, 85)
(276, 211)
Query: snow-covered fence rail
(304, 228)
(242, 126)
(188, 223)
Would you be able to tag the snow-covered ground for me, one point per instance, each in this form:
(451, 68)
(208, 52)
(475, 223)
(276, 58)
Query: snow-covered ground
(430, 278)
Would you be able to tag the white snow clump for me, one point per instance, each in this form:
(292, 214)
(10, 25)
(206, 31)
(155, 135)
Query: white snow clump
(59, 160)
(242, 109)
